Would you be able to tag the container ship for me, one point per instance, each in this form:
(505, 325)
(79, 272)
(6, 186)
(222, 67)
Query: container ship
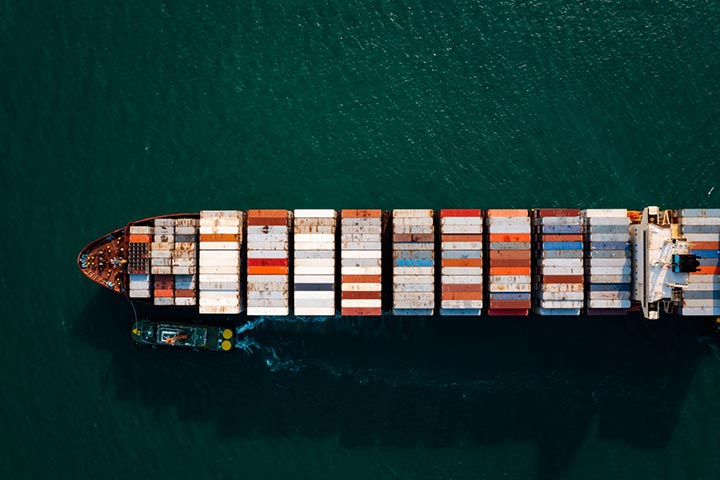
(459, 262)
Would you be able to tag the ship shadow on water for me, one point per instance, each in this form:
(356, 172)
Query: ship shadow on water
(439, 382)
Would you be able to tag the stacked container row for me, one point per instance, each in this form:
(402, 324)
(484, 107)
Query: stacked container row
(361, 262)
(701, 227)
(462, 262)
(221, 236)
(314, 262)
(161, 253)
(509, 277)
(268, 266)
(185, 261)
(608, 266)
(139, 240)
(413, 262)
(559, 272)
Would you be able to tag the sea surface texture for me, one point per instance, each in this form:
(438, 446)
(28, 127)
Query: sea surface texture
(111, 111)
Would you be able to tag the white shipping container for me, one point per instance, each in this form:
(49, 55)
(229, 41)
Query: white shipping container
(267, 230)
(161, 270)
(461, 245)
(185, 230)
(361, 254)
(327, 246)
(561, 287)
(560, 304)
(413, 279)
(267, 286)
(184, 270)
(219, 310)
(700, 311)
(702, 237)
(462, 270)
(518, 279)
(411, 213)
(609, 278)
(608, 304)
(204, 246)
(139, 293)
(315, 311)
(560, 262)
(612, 221)
(404, 221)
(314, 213)
(217, 269)
(314, 230)
(314, 278)
(462, 221)
(609, 295)
(361, 246)
(185, 301)
(608, 237)
(694, 286)
(495, 229)
(609, 262)
(462, 279)
(202, 278)
(220, 214)
(269, 295)
(361, 303)
(219, 262)
(610, 270)
(314, 262)
(560, 295)
(163, 301)
(461, 304)
(563, 270)
(256, 238)
(497, 223)
(141, 230)
(410, 270)
(226, 286)
(326, 295)
(299, 270)
(462, 229)
(267, 245)
(226, 230)
(700, 220)
(183, 262)
(268, 311)
(605, 212)
(559, 221)
(361, 270)
(161, 254)
(155, 246)
(408, 229)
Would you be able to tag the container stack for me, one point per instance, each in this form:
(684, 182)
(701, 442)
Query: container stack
(185, 261)
(413, 262)
(268, 267)
(161, 255)
(361, 262)
(139, 242)
(608, 266)
(702, 228)
(314, 262)
(462, 262)
(509, 284)
(221, 234)
(559, 274)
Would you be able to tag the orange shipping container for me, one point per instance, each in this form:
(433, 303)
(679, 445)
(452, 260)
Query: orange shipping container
(139, 238)
(360, 295)
(361, 279)
(267, 213)
(510, 271)
(510, 237)
(267, 270)
(561, 279)
(269, 221)
(462, 287)
(708, 270)
(462, 238)
(509, 263)
(498, 212)
(355, 312)
(219, 237)
(362, 213)
(462, 295)
(163, 293)
(462, 262)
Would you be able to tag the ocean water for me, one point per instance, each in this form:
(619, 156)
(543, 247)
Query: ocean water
(114, 111)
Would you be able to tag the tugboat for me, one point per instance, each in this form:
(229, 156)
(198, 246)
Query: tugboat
(199, 337)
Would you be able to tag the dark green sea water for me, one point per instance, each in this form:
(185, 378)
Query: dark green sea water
(116, 110)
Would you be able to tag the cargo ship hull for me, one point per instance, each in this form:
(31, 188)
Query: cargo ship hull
(460, 262)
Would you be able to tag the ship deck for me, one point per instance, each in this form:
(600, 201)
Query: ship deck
(102, 261)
